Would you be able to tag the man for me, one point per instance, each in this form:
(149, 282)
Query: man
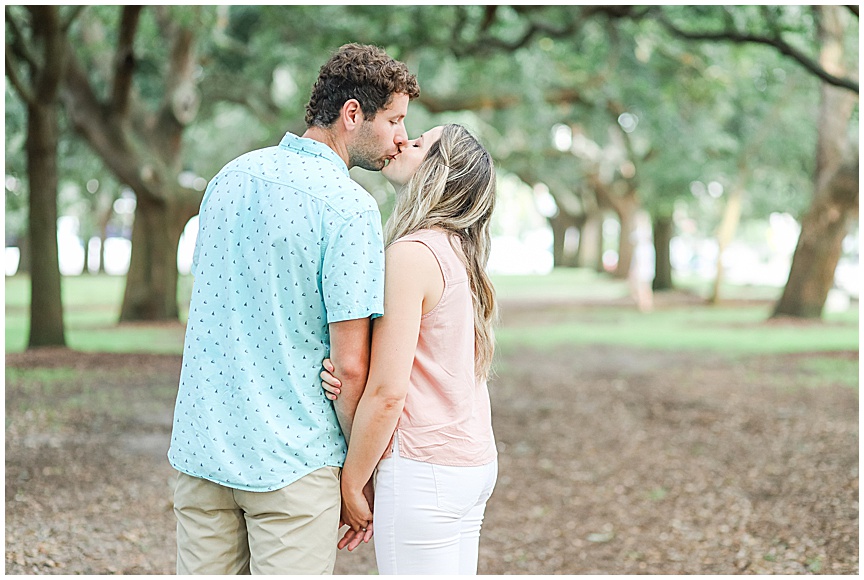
(288, 269)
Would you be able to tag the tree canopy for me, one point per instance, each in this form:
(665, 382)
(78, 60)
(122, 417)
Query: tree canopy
(611, 108)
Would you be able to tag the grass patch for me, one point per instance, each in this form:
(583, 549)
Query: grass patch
(570, 283)
(124, 338)
(91, 309)
(738, 329)
(92, 304)
(587, 284)
(831, 371)
(732, 330)
(97, 290)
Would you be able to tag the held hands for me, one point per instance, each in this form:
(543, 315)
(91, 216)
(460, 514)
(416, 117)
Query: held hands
(356, 508)
(329, 383)
(357, 514)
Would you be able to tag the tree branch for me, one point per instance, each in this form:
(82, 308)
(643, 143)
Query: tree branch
(70, 19)
(464, 102)
(778, 43)
(124, 59)
(23, 90)
(485, 44)
(254, 96)
(181, 94)
(100, 130)
(500, 101)
(853, 9)
(488, 17)
(18, 40)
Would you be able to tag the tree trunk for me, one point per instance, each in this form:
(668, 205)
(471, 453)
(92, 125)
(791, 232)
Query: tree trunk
(102, 225)
(626, 211)
(625, 205)
(835, 199)
(727, 228)
(590, 251)
(146, 156)
(46, 70)
(24, 254)
(151, 284)
(46, 306)
(102, 237)
(86, 242)
(820, 245)
(663, 230)
(562, 257)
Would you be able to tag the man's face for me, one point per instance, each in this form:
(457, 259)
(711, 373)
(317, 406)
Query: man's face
(380, 139)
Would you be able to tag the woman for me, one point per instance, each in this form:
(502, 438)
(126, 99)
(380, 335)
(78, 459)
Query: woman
(424, 419)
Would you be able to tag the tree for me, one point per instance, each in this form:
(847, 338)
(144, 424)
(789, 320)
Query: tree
(143, 147)
(777, 27)
(767, 121)
(835, 199)
(44, 55)
(835, 196)
(519, 70)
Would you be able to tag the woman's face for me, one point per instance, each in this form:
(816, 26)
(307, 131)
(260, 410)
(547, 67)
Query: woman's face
(399, 170)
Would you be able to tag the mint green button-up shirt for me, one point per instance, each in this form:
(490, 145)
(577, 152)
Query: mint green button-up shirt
(287, 244)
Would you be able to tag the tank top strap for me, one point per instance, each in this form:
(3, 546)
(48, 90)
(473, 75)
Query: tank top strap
(440, 245)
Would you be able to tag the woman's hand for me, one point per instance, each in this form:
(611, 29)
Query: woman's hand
(329, 383)
(356, 513)
(352, 539)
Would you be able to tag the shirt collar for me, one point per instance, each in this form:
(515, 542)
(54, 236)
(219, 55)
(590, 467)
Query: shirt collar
(305, 146)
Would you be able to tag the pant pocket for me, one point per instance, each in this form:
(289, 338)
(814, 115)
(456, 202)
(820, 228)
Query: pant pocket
(457, 489)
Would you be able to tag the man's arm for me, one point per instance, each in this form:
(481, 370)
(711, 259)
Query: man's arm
(349, 353)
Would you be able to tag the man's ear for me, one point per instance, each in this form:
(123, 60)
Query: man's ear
(351, 115)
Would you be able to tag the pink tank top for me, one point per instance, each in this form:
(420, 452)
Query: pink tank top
(447, 418)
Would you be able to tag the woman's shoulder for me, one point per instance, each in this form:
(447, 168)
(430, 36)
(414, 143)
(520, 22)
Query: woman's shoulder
(426, 234)
(424, 251)
(410, 264)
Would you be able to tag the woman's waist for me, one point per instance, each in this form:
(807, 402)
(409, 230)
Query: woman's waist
(445, 448)
(463, 430)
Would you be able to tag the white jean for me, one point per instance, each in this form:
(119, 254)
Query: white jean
(428, 517)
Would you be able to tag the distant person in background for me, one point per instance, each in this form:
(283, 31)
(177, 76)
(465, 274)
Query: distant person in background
(424, 424)
(288, 266)
(642, 267)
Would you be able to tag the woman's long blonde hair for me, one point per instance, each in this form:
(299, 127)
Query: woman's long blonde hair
(453, 189)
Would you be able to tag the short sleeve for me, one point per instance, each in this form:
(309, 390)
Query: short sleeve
(353, 269)
(196, 254)
(202, 216)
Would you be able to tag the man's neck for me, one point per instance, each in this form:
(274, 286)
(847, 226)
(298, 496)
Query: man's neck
(331, 140)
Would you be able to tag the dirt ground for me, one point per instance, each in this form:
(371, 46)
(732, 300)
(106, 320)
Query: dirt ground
(612, 461)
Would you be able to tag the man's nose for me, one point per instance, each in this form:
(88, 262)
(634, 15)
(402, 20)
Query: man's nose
(401, 137)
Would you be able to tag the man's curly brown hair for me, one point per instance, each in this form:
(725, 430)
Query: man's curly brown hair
(362, 72)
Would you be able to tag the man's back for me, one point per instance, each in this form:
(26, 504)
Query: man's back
(287, 244)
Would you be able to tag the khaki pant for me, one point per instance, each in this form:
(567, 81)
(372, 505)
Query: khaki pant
(292, 530)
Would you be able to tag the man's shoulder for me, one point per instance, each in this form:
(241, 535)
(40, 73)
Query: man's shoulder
(312, 176)
(349, 199)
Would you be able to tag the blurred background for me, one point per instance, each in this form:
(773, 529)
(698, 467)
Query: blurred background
(678, 196)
